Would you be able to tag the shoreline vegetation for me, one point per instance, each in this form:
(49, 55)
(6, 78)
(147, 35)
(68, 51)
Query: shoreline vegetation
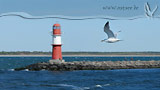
(48, 54)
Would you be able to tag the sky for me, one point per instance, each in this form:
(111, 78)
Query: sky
(18, 34)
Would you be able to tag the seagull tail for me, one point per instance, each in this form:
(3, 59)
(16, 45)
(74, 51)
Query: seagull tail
(103, 40)
(117, 33)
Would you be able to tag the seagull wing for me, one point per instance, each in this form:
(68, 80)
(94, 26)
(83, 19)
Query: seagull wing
(147, 8)
(108, 31)
(155, 9)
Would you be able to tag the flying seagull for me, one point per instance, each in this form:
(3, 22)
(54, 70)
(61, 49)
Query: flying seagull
(148, 11)
(112, 38)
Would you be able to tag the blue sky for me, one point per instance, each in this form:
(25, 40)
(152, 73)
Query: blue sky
(18, 34)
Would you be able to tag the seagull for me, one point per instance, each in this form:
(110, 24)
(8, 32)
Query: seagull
(148, 11)
(112, 38)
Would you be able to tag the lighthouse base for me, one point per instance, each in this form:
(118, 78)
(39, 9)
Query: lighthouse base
(52, 61)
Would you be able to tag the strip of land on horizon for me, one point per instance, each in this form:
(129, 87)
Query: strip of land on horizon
(65, 54)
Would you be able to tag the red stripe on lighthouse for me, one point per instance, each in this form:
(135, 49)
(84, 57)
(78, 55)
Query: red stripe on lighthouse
(56, 52)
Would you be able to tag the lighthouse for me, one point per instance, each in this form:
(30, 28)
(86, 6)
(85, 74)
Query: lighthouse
(56, 45)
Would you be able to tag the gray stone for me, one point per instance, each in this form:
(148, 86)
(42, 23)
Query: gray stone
(52, 61)
(91, 65)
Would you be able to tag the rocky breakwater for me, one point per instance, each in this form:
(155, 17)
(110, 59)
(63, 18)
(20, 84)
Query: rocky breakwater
(92, 65)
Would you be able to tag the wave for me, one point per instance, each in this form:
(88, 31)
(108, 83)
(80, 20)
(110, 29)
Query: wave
(63, 85)
(98, 85)
(7, 69)
(25, 70)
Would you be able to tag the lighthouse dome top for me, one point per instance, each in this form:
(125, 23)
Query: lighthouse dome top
(56, 25)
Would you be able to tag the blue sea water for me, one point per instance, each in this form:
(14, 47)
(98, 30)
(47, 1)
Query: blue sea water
(121, 79)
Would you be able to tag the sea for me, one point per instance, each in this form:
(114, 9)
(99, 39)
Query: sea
(120, 79)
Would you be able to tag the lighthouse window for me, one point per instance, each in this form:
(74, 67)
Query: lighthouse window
(54, 27)
(58, 27)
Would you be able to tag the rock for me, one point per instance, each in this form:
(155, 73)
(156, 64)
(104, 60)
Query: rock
(92, 65)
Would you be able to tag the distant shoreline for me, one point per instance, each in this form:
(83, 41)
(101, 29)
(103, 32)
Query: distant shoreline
(81, 55)
(78, 54)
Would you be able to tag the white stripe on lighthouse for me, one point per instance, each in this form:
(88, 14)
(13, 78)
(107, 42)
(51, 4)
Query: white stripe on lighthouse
(57, 39)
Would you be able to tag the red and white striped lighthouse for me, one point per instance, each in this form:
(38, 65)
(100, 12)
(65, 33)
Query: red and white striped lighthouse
(56, 44)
